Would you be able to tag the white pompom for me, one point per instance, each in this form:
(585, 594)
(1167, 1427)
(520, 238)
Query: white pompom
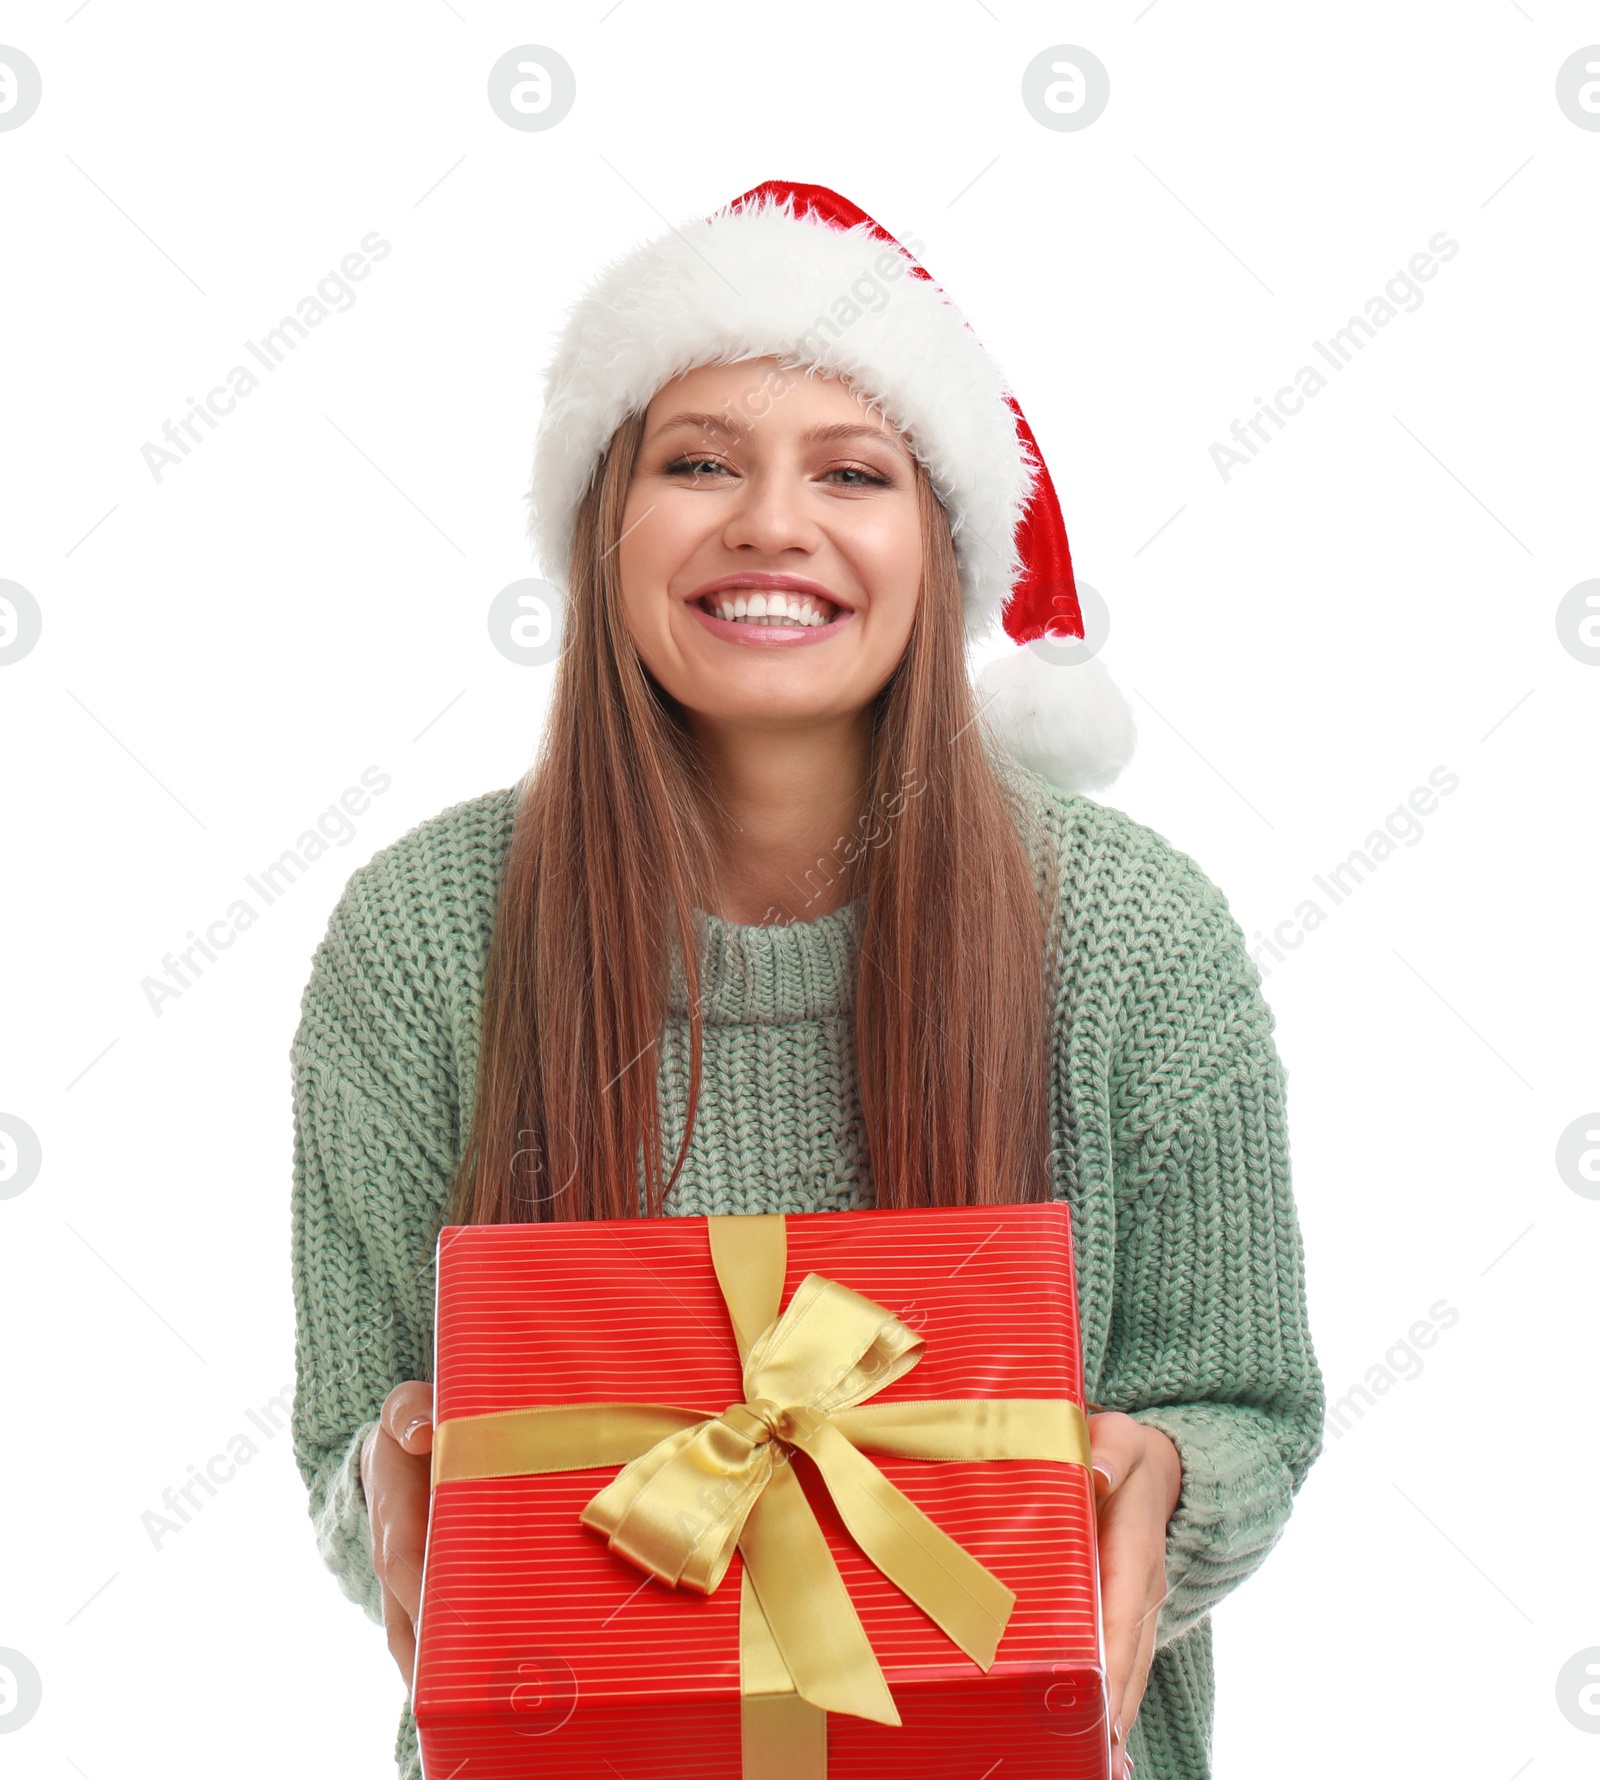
(1065, 720)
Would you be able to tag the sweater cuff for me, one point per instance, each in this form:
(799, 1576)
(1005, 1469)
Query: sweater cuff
(1235, 1500)
(343, 1527)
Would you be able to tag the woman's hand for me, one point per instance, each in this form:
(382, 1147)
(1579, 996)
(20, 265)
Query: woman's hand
(1137, 1479)
(394, 1479)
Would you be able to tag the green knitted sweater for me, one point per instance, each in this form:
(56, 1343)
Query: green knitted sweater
(1167, 1112)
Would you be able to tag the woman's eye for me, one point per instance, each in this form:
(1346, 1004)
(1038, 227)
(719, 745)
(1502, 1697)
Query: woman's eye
(858, 477)
(694, 466)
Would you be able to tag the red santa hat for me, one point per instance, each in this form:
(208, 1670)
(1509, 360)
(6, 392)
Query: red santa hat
(797, 273)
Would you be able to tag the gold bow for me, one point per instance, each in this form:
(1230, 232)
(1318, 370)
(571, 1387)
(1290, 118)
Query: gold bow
(694, 1487)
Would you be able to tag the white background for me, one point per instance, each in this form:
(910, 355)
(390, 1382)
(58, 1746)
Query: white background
(1373, 596)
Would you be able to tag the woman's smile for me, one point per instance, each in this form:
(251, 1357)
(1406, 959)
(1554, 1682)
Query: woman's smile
(768, 610)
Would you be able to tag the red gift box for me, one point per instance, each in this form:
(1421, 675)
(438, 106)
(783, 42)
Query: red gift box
(542, 1650)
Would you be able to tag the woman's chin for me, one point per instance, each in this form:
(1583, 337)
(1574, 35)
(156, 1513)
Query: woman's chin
(751, 705)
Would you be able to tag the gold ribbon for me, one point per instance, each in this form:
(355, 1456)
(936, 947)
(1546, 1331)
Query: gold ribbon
(694, 1487)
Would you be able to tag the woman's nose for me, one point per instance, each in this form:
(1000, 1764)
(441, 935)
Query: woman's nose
(771, 515)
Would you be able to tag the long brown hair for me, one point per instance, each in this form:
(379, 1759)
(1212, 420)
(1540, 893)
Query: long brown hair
(615, 846)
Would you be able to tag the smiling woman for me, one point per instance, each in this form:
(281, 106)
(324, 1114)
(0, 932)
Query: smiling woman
(770, 575)
(697, 766)
(609, 991)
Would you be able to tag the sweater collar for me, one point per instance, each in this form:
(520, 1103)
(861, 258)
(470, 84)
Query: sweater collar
(774, 974)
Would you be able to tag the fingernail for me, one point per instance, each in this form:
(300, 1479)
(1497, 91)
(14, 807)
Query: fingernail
(1105, 1472)
(1116, 1730)
(422, 1421)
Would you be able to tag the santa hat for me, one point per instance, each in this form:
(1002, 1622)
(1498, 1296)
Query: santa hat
(798, 273)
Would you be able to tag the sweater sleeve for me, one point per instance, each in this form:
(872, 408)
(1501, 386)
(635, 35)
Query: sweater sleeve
(1209, 1338)
(374, 1125)
(344, 1361)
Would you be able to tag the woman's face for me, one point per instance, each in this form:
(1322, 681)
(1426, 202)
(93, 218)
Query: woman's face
(771, 492)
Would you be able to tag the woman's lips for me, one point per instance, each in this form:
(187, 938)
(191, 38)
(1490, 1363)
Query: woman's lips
(771, 636)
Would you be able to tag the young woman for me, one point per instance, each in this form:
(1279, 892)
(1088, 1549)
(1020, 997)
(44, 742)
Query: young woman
(788, 918)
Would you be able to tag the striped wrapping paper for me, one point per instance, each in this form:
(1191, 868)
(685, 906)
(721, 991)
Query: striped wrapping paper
(541, 1652)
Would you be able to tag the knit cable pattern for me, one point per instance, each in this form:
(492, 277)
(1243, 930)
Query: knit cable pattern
(1168, 1121)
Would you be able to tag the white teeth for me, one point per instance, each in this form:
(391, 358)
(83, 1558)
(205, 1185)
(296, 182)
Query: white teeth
(771, 608)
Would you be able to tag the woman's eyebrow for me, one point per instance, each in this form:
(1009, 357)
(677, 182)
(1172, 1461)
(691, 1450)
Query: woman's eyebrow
(711, 423)
(838, 432)
(844, 430)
